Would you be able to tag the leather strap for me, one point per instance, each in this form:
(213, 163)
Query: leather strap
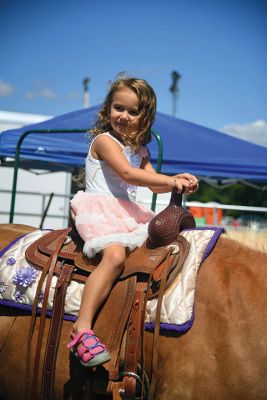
(173, 266)
(135, 333)
(55, 331)
(154, 367)
(31, 391)
(117, 390)
(133, 341)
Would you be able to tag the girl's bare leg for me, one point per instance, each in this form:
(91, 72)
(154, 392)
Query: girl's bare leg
(98, 286)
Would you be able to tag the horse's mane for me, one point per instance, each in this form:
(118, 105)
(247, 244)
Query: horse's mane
(257, 240)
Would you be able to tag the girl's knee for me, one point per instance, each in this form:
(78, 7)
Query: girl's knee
(115, 258)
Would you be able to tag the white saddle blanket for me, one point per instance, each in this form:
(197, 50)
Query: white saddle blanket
(19, 280)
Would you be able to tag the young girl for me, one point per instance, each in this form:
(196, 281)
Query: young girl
(107, 217)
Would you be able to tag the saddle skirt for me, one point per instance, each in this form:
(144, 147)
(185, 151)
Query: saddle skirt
(19, 278)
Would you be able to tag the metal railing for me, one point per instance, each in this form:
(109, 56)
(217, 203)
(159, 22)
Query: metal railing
(46, 199)
(44, 204)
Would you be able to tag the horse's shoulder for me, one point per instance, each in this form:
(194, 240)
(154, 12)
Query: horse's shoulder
(255, 240)
(229, 252)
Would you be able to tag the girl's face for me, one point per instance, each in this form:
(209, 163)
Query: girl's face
(124, 113)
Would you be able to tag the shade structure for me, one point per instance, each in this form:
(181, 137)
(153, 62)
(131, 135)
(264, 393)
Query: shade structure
(186, 147)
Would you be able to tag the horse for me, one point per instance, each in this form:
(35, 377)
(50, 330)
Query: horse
(223, 356)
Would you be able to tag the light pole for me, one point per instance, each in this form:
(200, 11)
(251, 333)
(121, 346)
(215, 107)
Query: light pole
(174, 90)
(86, 101)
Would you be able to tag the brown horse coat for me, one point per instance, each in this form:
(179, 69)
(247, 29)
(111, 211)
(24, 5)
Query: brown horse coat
(223, 356)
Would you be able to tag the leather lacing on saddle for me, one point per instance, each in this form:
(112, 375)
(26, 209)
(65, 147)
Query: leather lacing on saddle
(148, 271)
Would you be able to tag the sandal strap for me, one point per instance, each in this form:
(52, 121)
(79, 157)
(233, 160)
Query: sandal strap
(83, 337)
(97, 343)
(86, 345)
(76, 339)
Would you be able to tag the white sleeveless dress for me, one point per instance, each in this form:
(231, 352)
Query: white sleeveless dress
(106, 213)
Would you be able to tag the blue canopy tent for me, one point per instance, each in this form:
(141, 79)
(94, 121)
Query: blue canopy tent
(189, 147)
(186, 147)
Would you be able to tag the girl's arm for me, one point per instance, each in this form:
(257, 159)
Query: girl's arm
(147, 166)
(105, 148)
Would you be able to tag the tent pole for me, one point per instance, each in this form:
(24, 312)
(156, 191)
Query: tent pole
(15, 176)
(159, 163)
(17, 156)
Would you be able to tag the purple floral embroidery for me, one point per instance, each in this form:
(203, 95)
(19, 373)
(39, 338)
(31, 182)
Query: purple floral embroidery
(11, 261)
(19, 297)
(25, 276)
(3, 286)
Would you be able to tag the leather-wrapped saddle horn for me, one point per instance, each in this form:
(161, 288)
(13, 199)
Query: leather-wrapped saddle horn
(165, 227)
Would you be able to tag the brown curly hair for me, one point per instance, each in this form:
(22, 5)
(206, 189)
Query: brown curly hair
(147, 108)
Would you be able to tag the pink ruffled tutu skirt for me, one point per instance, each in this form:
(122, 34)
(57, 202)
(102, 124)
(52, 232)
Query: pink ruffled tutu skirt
(103, 220)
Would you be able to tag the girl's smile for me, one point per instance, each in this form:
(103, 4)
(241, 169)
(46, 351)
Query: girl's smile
(124, 111)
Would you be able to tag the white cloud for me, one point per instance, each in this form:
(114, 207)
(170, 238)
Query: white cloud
(38, 91)
(5, 88)
(255, 132)
(48, 93)
(41, 90)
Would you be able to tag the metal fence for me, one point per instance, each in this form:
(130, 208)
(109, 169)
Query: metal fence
(43, 211)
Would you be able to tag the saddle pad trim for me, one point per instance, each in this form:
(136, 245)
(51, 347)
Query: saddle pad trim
(149, 326)
(217, 233)
(181, 328)
(28, 309)
(5, 249)
(67, 317)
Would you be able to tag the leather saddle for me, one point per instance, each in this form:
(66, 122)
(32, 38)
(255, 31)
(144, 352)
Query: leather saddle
(141, 261)
(148, 271)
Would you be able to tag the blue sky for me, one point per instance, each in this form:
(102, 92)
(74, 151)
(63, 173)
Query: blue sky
(219, 47)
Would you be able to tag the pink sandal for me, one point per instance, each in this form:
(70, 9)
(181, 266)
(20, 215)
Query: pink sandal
(89, 350)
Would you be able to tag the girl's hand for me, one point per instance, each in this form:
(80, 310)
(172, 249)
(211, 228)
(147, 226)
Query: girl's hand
(185, 182)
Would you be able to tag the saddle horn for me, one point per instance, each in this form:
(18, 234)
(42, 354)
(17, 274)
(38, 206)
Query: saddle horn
(164, 228)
